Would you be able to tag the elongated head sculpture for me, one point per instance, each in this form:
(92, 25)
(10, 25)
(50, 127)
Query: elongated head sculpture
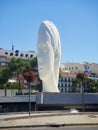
(49, 56)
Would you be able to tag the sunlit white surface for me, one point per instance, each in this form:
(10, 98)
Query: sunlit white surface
(49, 56)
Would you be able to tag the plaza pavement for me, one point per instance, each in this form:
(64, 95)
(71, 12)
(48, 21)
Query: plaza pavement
(53, 119)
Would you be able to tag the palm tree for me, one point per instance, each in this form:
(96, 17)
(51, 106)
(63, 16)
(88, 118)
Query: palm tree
(81, 76)
(75, 85)
(4, 76)
(29, 77)
(16, 67)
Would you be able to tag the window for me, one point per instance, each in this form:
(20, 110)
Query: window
(61, 79)
(6, 53)
(65, 80)
(17, 51)
(69, 85)
(21, 55)
(65, 85)
(3, 64)
(26, 55)
(68, 79)
(16, 54)
(11, 54)
(85, 67)
(2, 58)
(62, 90)
(31, 56)
(61, 84)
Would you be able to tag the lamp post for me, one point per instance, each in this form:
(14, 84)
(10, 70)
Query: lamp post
(42, 98)
(12, 81)
(5, 92)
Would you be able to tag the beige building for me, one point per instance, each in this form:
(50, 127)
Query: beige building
(80, 67)
(6, 55)
(69, 71)
(95, 68)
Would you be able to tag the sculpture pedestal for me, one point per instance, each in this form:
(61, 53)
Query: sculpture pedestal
(65, 101)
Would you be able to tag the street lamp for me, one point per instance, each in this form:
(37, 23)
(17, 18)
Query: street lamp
(12, 81)
(42, 98)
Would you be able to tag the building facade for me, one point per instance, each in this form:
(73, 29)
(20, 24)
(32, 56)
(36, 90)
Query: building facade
(80, 67)
(69, 71)
(7, 55)
(65, 82)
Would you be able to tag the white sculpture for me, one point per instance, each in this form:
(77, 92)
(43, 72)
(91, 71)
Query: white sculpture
(49, 56)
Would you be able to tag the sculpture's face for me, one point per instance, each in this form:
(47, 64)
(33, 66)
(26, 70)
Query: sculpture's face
(45, 59)
(48, 54)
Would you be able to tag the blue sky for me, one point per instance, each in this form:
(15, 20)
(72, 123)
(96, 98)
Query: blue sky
(76, 20)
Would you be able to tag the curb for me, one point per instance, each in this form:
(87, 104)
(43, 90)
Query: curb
(91, 115)
(49, 125)
(48, 114)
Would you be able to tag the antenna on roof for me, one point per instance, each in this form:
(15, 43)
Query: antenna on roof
(12, 46)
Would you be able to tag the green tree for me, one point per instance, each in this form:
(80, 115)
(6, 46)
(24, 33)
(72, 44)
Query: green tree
(34, 62)
(92, 86)
(89, 85)
(4, 76)
(16, 67)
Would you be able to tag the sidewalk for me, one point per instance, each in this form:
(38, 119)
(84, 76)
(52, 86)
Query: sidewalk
(58, 118)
